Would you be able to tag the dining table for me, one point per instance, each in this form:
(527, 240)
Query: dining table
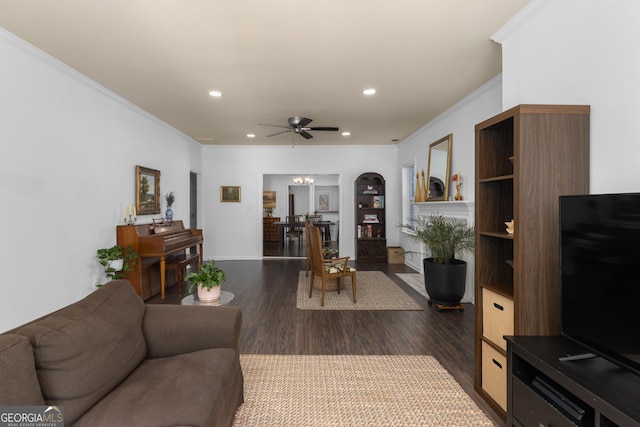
(325, 227)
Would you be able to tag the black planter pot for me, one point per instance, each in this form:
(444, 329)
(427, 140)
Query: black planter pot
(445, 283)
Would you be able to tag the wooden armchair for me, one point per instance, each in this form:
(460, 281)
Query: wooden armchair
(336, 268)
(328, 252)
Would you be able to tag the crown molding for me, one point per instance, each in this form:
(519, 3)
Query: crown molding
(529, 11)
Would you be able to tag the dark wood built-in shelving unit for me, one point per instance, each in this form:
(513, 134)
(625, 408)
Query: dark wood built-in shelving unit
(526, 157)
(371, 241)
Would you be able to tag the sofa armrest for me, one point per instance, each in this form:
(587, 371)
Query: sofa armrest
(176, 329)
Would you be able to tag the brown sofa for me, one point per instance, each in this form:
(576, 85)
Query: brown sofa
(111, 360)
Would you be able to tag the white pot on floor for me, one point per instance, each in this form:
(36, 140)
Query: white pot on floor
(209, 295)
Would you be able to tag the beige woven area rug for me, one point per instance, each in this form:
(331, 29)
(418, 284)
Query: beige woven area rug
(357, 391)
(375, 291)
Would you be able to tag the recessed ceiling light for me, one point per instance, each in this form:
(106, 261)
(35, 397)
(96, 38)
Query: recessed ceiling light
(251, 135)
(346, 133)
(370, 91)
(215, 93)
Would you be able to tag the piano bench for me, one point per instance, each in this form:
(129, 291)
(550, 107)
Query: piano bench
(179, 263)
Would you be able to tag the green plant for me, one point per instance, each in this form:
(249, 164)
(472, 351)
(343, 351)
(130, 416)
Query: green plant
(170, 197)
(443, 236)
(208, 276)
(107, 256)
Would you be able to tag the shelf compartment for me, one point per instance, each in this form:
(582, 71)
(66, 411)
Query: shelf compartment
(495, 149)
(491, 216)
(491, 258)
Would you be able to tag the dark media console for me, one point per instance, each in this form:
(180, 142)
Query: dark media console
(547, 386)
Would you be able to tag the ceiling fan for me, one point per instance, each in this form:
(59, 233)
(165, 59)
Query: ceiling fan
(299, 125)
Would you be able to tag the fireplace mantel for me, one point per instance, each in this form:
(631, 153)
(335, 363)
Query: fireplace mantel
(456, 209)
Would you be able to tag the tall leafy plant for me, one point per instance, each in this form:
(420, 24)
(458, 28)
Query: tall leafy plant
(445, 237)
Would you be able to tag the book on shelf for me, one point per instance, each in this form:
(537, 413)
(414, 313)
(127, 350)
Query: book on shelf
(378, 202)
(370, 218)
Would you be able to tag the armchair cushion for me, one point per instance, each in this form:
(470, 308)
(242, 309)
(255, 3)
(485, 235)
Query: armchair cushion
(203, 387)
(84, 350)
(207, 327)
(338, 267)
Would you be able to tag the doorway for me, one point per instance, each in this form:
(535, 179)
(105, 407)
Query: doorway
(321, 197)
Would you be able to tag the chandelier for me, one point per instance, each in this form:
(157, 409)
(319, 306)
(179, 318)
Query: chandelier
(303, 180)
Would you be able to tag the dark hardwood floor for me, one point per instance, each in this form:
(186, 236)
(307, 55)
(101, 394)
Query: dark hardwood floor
(266, 292)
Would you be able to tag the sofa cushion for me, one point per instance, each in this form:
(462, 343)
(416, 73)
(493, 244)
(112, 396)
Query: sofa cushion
(19, 381)
(84, 350)
(191, 389)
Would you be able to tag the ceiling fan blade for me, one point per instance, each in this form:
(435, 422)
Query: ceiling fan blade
(278, 133)
(332, 129)
(306, 134)
(304, 122)
(274, 126)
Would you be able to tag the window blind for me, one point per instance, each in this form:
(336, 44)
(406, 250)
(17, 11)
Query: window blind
(408, 193)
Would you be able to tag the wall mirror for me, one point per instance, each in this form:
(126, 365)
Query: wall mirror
(439, 169)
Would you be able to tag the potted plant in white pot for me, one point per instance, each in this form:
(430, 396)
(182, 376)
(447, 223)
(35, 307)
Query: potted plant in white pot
(208, 282)
(444, 275)
(117, 261)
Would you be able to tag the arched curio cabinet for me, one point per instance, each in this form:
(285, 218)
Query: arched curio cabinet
(370, 223)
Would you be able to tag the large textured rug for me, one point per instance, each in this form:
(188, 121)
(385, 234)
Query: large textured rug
(353, 391)
(375, 291)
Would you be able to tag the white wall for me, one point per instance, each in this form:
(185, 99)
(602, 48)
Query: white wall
(69, 151)
(582, 52)
(234, 230)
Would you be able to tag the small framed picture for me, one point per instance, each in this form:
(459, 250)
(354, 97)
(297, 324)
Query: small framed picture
(269, 199)
(230, 193)
(324, 201)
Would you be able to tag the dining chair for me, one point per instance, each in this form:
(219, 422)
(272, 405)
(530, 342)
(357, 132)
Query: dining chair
(336, 268)
(328, 251)
(295, 227)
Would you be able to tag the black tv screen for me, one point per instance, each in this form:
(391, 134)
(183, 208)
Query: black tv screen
(600, 265)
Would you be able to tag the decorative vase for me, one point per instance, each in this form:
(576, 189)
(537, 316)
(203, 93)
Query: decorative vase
(445, 283)
(169, 213)
(418, 196)
(458, 194)
(209, 295)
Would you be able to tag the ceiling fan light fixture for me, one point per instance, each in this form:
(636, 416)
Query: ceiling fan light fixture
(215, 93)
(251, 135)
(346, 133)
(370, 91)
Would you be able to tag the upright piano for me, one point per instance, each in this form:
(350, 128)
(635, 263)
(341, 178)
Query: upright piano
(155, 243)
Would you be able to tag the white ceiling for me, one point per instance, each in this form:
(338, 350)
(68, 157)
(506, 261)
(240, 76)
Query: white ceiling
(275, 59)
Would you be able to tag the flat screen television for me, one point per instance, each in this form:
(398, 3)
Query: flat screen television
(600, 275)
